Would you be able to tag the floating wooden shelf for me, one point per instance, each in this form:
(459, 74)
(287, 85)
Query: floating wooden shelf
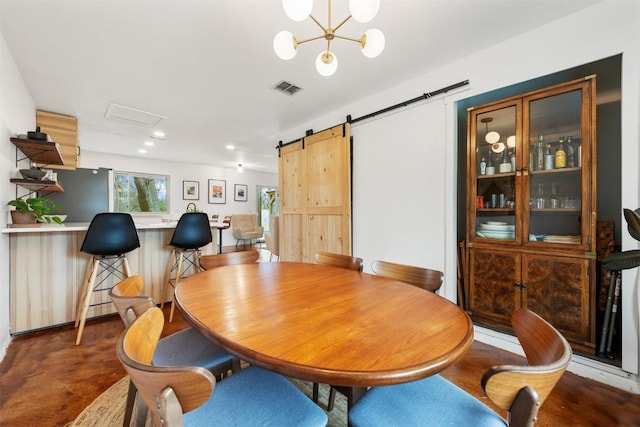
(33, 185)
(44, 152)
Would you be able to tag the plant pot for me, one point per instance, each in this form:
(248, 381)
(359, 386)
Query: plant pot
(18, 217)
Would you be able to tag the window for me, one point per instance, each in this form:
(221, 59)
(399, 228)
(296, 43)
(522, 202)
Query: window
(140, 193)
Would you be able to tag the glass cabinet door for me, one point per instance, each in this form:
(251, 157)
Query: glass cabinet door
(497, 195)
(554, 131)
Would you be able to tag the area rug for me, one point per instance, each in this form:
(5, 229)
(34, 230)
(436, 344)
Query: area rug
(108, 408)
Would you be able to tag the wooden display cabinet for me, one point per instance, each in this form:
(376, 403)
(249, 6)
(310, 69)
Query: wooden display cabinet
(531, 212)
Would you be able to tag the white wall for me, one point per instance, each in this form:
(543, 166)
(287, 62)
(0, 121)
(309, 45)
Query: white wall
(606, 29)
(179, 172)
(17, 115)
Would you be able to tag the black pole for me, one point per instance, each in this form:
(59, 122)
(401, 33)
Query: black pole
(410, 101)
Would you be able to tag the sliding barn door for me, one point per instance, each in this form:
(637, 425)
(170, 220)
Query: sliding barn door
(315, 195)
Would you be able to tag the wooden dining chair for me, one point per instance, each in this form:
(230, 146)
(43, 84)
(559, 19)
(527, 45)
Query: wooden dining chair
(339, 260)
(424, 278)
(186, 347)
(190, 395)
(208, 262)
(520, 390)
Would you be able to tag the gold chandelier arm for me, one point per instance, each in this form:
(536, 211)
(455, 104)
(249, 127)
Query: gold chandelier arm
(348, 38)
(310, 40)
(318, 23)
(342, 23)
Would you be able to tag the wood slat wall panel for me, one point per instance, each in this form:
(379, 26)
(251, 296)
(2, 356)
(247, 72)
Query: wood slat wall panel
(47, 270)
(63, 130)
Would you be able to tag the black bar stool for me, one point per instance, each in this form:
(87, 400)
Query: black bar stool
(192, 232)
(109, 238)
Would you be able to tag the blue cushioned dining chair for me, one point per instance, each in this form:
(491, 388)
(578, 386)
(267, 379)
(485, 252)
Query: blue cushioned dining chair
(192, 233)
(185, 347)
(434, 401)
(250, 397)
(109, 238)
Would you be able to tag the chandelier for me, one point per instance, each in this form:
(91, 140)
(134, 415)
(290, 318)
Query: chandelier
(371, 42)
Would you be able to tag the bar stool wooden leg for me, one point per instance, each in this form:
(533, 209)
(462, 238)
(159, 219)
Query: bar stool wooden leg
(175, 283)
(87, 299)
(167, 277)
(83, 292)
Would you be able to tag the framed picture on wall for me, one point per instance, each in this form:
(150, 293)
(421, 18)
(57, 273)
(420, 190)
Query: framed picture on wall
(190, 190)
(217, 191)
(240, 193)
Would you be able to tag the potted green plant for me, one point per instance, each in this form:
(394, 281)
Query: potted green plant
(33, 209)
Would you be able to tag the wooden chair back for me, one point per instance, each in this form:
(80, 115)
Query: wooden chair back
(424, 278)
(633, 222)
(128, 299)
(214, 217)
(339, 260)
(208, 262)
(521, 390)
(167, 391)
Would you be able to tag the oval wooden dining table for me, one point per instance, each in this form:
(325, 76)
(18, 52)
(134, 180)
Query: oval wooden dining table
(325, 324)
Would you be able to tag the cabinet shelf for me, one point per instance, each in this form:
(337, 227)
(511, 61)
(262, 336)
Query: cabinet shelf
(33, 185)
(497, 210)
(44, 152)
(556, 210)
(556, 171)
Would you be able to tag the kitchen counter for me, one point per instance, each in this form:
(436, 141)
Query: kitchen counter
(47, 271)
(83, 226)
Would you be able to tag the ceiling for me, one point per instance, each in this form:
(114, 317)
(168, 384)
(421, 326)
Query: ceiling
(208, 66)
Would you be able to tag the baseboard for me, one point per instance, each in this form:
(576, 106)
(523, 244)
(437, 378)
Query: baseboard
(580, 365)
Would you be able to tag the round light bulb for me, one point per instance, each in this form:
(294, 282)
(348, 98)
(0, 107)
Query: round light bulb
(492, 137)
(364, 10)
(326, 63)
(297, 10)
(372, 43)
(284, 45)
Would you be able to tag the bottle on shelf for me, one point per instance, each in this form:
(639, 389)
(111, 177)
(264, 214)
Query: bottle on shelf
(512, 158)
(554, 200)
(561, 155)
(540, 154)
(548, 158)
(505, 166)
(491, 170)
(571, 154)
(483, 167)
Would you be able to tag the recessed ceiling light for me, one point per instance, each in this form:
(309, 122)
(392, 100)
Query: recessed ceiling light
(230, 147)
(158, 134)
(142, 151)
(149, 143)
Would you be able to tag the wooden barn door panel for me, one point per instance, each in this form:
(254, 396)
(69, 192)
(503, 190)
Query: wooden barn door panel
(315, 188)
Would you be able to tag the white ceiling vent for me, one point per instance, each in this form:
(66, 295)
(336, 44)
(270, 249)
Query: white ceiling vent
(132, 115)
(287, 87)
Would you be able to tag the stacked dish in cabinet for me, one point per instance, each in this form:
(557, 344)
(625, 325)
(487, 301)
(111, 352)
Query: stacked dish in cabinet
(496, 230)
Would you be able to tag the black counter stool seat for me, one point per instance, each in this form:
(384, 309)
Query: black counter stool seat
(192, 233)
(109, 238)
